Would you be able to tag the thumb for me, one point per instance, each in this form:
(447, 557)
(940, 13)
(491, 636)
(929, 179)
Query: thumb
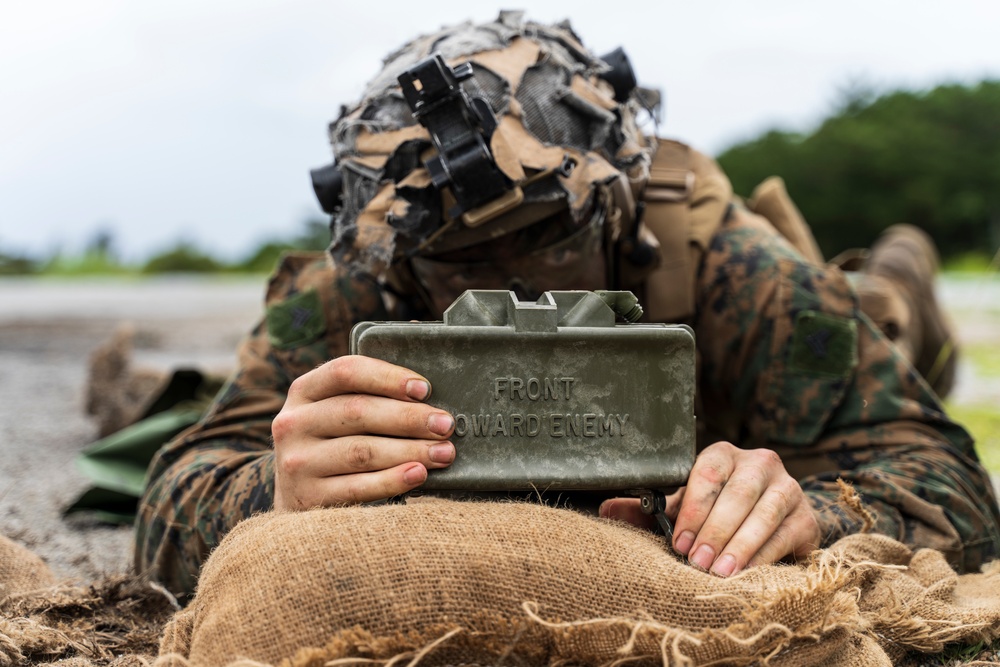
(628, 510)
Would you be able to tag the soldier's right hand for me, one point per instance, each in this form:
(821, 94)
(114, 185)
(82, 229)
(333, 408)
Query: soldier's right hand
(354, 430)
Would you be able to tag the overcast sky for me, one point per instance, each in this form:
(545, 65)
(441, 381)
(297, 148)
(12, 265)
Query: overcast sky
(200, 119)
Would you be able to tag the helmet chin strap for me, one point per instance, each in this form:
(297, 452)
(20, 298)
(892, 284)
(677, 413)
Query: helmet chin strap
(402, 282)
(631, 252)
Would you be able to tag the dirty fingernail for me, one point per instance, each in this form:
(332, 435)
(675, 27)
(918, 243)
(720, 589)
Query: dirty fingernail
(440, 424)
(725, 565)
(418, 390)
(703, 557)
(415, 475)
(684, 542)
(443, 453)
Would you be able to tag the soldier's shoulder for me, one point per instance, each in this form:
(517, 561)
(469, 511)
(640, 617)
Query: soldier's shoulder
(300, 300)
(311, 300)
(298, 271)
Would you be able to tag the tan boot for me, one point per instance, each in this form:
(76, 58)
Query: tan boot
(906, 258)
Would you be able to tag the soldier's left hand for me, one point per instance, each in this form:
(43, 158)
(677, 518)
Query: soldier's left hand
(740, 508)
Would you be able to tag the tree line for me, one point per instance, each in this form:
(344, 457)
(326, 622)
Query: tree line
(930, 158)
(100, 257)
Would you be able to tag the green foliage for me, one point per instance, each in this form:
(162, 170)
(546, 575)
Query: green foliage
(929, 158)
(968, 262)
(17, 265)
(100, 258)
(982, 418)
(983, 422)
(184, 257)
(87, 264)
(264, 259)
(984, 358)
(315, 236)
(960, 654)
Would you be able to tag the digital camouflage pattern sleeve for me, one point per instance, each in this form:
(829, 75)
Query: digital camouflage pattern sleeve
(221, 470)
(789, 362)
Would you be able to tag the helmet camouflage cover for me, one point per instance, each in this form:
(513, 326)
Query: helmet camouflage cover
(553, 112)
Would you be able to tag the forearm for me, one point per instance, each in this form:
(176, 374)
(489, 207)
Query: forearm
(790, 363)
(222, 470)
(194, 502)
(923, 496)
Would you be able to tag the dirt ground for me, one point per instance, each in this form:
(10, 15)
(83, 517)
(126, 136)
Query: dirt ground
(49, 327)
(47, 331)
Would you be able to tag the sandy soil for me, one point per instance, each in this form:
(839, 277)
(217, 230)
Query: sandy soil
(48, 329)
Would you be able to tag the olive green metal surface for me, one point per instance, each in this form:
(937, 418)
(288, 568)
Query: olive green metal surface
(551, 395)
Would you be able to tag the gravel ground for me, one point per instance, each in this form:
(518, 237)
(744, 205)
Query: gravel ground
(48, 329)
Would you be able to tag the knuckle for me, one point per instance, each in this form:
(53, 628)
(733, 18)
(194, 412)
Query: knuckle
(290, 463)
(766, 459)
(302, 499)
(354, 409)
(713, 472)
(779, 544)
(296, 387)
(365, 488)
(713, 537)
(353, 494)
(747, 487)
(359, 494)
(415, 416)
(792, 488)
(690, 517)
(360, 454)
(789, 493)
(283, 425)
(723, 446)
(805, 529)
(772, 513)
(343, 369)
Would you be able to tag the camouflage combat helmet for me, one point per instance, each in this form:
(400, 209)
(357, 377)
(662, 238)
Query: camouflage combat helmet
(550, 131)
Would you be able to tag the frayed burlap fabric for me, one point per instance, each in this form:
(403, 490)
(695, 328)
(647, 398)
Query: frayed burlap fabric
(116, 622)
(21, 570)
(442, 582)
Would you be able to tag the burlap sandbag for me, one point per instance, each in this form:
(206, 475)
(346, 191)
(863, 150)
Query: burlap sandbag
(21, 570)
(916, 601)
(481, 583)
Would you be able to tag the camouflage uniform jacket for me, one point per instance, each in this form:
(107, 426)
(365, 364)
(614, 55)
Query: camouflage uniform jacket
(786, 361)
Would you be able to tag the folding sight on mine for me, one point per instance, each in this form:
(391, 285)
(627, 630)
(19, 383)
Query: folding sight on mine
(551, 394)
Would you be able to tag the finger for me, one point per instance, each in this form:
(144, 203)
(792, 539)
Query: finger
(709, 474)
(628, 510)
(361, 413)
(360, 487)
(734, 506)
(764, 522)
(356, 374)
(798, 535)
(364, 453)
(674, 501)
